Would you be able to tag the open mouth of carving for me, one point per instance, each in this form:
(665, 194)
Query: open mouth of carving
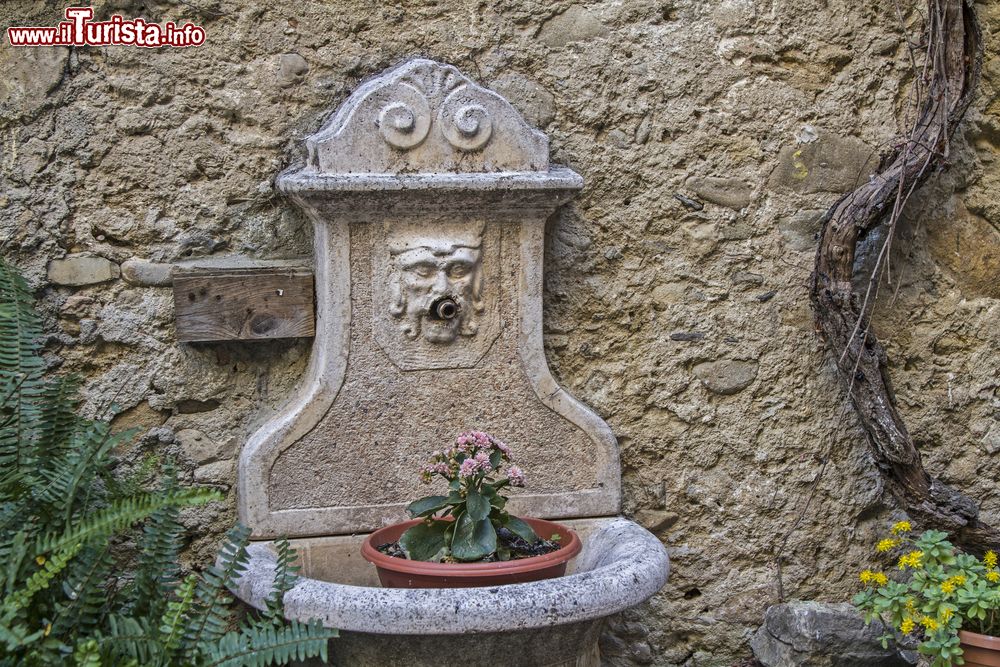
(444, 308)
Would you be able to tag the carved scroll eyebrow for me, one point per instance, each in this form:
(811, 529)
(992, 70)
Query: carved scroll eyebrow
(421, 265)
(459, 268)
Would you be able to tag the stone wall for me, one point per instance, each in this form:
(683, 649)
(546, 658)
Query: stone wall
(685, 325)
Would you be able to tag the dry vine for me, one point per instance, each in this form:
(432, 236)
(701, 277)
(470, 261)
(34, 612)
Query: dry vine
(944, 89)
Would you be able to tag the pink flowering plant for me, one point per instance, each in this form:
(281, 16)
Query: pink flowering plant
(477, 468)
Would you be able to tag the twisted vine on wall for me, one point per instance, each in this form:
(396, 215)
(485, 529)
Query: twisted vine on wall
(943, 90)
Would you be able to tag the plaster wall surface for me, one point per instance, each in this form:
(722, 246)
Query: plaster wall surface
(687, 329)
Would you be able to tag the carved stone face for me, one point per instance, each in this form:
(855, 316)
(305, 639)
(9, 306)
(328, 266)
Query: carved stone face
(437, 279)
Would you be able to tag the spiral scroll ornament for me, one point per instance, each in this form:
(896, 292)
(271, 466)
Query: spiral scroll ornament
(466, 125)
(405, 122)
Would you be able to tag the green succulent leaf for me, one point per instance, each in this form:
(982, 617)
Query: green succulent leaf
(427, 505)
(426, 541)
(521, 528)
(477, 506)
(473, 540)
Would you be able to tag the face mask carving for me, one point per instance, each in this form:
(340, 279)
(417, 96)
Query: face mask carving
(436, 287)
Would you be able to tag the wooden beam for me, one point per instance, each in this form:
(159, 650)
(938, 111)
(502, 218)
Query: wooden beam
(243, 303)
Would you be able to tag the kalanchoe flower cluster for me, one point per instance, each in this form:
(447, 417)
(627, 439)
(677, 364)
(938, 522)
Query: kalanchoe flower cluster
(471, 455)
(463, 524)
(516, 476)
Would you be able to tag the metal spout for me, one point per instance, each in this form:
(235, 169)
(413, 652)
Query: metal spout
(444, 308)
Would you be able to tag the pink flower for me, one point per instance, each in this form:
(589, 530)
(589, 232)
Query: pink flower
(430, 469)
(483, 461)
(468, 468)
(503, 447)
(516, 476)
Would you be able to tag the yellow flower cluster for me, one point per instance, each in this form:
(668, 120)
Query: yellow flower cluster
(912, 559)
(888, 544)
(993, 576)
(869, 577)
(906, 627)
(948, 586)
(901, 527)
(946, 614)
(929, 623)
(990, 559)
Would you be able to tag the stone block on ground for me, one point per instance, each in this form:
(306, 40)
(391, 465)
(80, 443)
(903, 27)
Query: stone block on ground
(817, 634)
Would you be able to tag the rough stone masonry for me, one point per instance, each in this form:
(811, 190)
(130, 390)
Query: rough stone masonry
(683, 321)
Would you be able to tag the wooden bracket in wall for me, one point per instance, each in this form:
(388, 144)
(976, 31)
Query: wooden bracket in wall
(243, 300)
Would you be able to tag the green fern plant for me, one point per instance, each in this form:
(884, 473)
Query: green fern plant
(63, 515)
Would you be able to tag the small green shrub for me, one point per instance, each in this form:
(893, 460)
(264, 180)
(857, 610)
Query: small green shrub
(938, 590)
(65, 599)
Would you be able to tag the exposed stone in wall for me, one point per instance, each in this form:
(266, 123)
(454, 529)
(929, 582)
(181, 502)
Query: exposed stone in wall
(159, 155)
(813, 634)
(725, 376)
(76, 271)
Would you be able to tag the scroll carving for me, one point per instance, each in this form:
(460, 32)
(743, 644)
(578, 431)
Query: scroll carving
(427, 118)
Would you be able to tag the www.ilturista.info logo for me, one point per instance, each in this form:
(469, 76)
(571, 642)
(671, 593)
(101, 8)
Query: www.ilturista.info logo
(79, 30)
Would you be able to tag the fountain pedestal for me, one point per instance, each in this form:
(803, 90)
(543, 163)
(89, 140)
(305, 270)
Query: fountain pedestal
(429, 196)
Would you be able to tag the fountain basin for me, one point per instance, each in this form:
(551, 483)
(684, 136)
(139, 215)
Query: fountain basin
(550, 623)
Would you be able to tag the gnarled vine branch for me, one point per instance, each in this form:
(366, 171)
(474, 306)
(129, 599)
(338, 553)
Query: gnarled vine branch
(951, 70)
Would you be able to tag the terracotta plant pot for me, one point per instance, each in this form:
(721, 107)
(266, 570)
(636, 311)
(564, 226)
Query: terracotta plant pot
(980, 650)
(403, 573)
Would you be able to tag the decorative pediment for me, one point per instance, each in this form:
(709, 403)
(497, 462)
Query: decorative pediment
(426, 117)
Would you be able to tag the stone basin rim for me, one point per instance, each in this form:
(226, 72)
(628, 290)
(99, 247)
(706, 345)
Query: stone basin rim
(623, 566)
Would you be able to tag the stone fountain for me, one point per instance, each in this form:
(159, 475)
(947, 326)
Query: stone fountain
(429, 196)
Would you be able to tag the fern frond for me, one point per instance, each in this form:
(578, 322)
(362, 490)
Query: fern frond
(285, 576)
(21, 369)
(129, 640)
(87, 654)
(121, 514)
(57, 420)
(14, 552)
(20, 327)
(85, 588)
(172, 623)
(157, 569)
(86, 451)
(39, 581)
(209, 623)
(18, 635)
(271, 645)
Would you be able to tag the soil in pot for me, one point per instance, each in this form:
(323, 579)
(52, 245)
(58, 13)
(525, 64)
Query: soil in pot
(514, 547)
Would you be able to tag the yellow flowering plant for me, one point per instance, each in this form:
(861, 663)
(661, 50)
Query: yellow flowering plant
(935, 590)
